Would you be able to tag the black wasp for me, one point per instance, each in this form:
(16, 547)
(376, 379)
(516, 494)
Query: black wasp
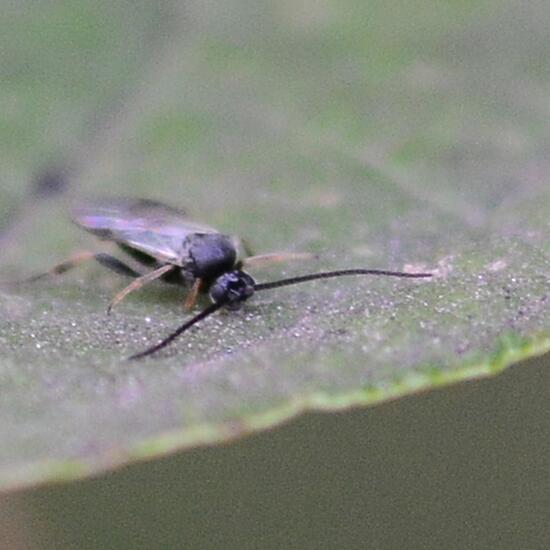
(179, 251)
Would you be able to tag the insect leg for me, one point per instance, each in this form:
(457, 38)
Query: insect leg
(138, 283)
(74, 261)
(276, 257)
(114, 264)
(192, 296)
(63, 267)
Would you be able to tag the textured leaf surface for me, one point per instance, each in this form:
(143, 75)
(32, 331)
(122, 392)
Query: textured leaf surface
(402, 136)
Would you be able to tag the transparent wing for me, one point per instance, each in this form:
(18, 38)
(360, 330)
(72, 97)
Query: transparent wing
(151, 227)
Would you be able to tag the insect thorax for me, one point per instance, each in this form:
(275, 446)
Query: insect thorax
(208, 255)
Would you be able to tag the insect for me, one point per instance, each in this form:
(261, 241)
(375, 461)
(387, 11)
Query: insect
(179, 251)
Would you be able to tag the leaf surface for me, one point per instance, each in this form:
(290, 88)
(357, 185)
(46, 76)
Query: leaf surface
(398, 136)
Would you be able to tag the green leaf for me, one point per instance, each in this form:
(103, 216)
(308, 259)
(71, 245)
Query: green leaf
(401, 136)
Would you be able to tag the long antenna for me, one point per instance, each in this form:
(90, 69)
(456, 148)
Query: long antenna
(266, 286)
(339, 273)
(188, 324)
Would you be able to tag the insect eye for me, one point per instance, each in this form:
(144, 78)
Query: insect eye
(218, 291)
